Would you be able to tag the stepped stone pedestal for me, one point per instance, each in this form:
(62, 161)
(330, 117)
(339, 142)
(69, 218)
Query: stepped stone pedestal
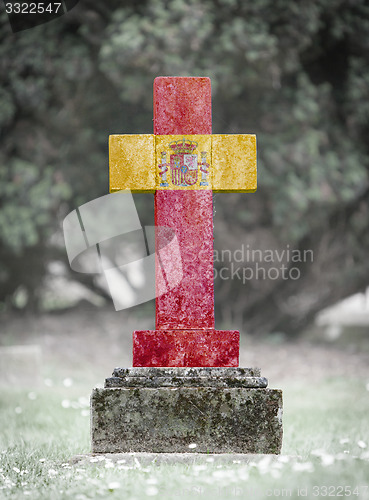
(166, 410)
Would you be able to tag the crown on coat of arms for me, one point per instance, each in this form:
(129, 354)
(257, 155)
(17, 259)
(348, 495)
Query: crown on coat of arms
(184, 146)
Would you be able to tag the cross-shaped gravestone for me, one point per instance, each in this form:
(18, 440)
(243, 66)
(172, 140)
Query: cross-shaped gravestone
(183, 163)
(160, 404)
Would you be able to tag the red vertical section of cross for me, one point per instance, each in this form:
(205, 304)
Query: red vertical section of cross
(185, 334)
(183, 106)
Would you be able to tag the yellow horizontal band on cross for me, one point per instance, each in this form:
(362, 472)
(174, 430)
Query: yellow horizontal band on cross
(146, 163)
(132, 163)
(234, 163)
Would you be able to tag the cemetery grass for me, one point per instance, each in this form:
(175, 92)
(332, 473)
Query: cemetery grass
(326, 433)
(325, 451)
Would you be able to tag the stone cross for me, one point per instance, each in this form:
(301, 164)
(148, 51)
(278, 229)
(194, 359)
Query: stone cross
(183, 163)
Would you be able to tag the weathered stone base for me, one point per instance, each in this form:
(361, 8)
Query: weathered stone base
(215, 416)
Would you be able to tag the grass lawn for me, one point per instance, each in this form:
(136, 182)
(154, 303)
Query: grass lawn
(325, 451)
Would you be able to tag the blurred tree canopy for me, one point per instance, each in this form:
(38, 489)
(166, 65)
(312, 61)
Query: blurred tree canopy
(294, 73)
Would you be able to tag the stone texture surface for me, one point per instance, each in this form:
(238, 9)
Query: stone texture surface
(186, 372)
(252, 382)
(185, 347)
(132, 162)
(234, 163)
(189, 377)
(182, 105)
(217, 420)
(190, 214)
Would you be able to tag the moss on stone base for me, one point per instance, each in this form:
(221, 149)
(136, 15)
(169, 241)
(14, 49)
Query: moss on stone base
(165, 419)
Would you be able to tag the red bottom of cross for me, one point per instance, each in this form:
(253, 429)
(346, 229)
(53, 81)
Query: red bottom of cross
(186, 347)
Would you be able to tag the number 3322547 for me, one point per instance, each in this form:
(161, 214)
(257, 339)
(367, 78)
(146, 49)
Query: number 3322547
(32, 8)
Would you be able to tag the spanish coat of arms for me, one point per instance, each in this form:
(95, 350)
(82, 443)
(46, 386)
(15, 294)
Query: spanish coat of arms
(183, 164)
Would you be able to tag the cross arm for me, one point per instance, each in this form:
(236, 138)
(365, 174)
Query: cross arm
(132, 163)
(234, 163)
(223, 163)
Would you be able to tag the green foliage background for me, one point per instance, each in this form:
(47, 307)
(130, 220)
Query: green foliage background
(294, 73)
